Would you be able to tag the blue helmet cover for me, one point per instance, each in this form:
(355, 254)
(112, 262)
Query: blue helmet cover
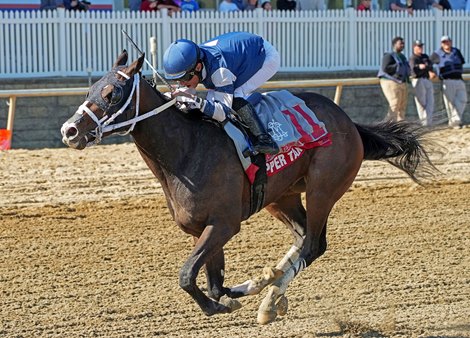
(180, 57)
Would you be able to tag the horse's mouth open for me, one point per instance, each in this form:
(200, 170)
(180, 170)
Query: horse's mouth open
(79, 144)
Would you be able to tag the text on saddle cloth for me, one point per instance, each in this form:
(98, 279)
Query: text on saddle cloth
(291, 124)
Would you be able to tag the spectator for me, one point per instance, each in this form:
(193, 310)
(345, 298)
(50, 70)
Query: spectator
(76, 5)
(287, 5)
(189, 5)
(148, 5)
(251, 5)
(394, 75)
(450, 63)
(458, 4)
(170, 5)
(401, 5)
(240, 4)
(228, 6)
(421, 71)
(364, 5)
(317, 5)
(155, 5)
(444, 4)
(266, 5)
(134, 5)
(51, 4)
(425, 4)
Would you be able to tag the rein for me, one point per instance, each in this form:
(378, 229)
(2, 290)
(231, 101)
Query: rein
(104, 125)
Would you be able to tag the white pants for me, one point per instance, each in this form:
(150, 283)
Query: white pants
(455, 99)
(424, 99)
(270, 67)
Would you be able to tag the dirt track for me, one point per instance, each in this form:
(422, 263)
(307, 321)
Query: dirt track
(87, 248)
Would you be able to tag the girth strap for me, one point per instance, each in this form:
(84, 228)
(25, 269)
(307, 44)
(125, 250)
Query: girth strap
(259, 185)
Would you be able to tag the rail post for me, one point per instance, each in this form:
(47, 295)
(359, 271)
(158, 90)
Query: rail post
(11, 113)
(339, 91)
(153, 51)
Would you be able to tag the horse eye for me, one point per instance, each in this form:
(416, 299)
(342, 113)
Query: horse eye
(117, 95)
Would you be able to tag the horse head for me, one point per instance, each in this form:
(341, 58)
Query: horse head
(110, 103)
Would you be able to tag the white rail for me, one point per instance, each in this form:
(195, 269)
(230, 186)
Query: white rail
(71, 43)
(12, 95)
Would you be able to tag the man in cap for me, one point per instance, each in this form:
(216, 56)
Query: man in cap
(421, 71)
(450, 62)
(394, 75)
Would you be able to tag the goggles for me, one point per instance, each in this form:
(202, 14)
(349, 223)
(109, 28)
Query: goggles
(187, 76)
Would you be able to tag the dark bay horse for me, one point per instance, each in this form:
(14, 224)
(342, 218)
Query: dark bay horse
(208, 193)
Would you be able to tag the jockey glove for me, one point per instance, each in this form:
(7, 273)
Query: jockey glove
(191, 102)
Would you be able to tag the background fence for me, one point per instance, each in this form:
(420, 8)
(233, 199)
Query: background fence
(70, 43)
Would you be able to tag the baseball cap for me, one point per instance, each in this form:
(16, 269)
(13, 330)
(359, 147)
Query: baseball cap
(445, 38)
(418, 43)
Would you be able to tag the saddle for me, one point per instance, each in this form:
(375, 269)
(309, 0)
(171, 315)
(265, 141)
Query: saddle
(291, 124)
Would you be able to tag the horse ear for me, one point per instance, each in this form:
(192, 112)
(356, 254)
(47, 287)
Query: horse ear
(122, 59)
(136, 65)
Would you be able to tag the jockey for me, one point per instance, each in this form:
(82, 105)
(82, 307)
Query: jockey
(231, 66)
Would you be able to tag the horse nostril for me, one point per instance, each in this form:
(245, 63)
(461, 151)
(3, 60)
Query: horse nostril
(71, 132)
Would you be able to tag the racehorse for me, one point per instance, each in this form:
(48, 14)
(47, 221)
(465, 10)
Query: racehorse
(208, 193)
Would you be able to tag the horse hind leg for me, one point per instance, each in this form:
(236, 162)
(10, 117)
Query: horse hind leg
(324, 188)
(290, 211)
(275, 303)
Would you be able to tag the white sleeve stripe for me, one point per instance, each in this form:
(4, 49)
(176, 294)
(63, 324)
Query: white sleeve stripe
(219, 113)
(223, 77)
(224, 98)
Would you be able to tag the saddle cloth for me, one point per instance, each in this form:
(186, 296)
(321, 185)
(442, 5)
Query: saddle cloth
(291, 124)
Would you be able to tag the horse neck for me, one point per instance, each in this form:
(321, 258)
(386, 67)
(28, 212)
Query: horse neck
(162, 140)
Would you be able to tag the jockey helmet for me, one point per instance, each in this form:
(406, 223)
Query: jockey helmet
(180, 58)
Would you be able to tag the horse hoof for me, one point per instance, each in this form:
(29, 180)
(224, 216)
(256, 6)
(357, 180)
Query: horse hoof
(266, 317)
(271, 274)
(282, 305)
(232, 304)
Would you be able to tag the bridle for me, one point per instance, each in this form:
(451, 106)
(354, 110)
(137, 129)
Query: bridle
(105, 124)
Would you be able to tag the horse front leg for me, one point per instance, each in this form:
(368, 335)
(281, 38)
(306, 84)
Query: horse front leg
(215, 273)
(208, 250)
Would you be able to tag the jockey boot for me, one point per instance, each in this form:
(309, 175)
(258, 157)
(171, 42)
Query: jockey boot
(247, 113)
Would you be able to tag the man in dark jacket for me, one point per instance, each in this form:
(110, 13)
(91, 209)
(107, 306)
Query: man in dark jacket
(421, 71)
(394, 75)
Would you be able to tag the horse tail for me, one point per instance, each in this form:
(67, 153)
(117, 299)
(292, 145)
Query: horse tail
(400, 144)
